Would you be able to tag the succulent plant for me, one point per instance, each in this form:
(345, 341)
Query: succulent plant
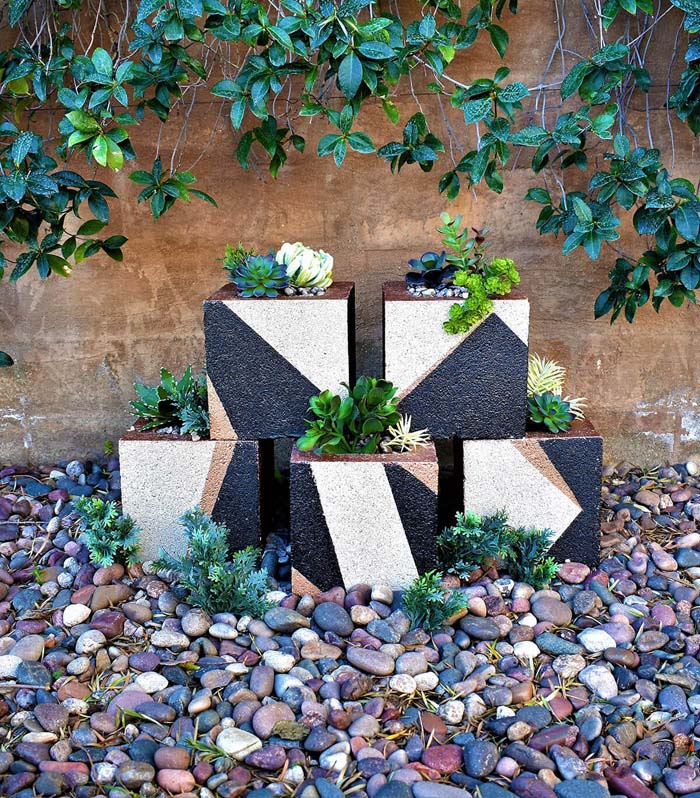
(235, 257)
(431, 270)
(550, 410)
(547, 375)
(306, 267)
(174, 403)
(401, 438)
(260, 275)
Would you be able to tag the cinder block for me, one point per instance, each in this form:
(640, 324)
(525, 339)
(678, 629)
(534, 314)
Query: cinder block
(165, 475)
(466, 386)
(362, 518)
(267, 356)
(542, 480)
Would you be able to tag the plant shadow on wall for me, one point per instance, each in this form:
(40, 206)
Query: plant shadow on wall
(270, 65)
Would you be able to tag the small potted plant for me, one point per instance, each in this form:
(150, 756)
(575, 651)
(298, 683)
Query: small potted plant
(364, 489)
(455, 339)
(169, 464)
(277, 333)
(554, 470)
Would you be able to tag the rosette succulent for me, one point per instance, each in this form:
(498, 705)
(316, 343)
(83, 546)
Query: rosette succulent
(431, 270)
(551, 411)
(260, 275)
(306, 267)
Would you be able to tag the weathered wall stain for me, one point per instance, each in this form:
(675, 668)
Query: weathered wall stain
(80, 343)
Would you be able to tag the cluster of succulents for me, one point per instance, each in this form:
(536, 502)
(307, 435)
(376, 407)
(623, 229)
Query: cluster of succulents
(177, 404)
(365, 421)
(293, 265)
(546, 405)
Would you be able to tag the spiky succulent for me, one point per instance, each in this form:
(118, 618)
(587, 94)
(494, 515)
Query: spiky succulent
(260, 275)
(545, 375)
(174, 403)
(401, 438)
(550, 410)
(235, 257)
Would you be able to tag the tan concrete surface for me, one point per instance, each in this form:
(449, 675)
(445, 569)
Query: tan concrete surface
(80, 343)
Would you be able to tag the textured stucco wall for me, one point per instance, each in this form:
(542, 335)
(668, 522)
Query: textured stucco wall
(80, 343)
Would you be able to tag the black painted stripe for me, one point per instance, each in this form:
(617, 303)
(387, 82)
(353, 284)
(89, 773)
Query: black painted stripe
(313, 552)
(417, 507)
(579, 461)
(263, 394)
(478, 391)
(238, 502)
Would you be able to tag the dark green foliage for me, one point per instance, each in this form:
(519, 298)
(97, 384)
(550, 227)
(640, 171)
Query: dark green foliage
(110, 537)
(355, 423)
(475, 542)
(463, 548)
(235, 257)
(174, 403)
(163, 189)
(418, 146)
(212, 580)
(525, 556)
(428, 604)
(260, 275)
(550, 410)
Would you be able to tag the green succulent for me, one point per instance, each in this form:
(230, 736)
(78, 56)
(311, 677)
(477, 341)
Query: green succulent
(260, 275)
(464, 315)
(430, 605)
(500, 276)
(462, 548)
(356, 423)
(109, 536)
(235, 257)
(550, 410)
(174, 403)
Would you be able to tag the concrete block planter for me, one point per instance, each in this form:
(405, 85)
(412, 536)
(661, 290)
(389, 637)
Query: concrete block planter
(163, 475)
(466, 386)
(266, 356)
(542, 480)
(358, 518)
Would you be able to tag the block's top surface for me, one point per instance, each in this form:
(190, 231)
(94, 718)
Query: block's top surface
(423, 454)
(229, 292)
(579, 429)
(396, 291)
(136, 434)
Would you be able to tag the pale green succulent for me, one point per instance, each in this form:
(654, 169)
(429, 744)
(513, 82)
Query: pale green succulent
(306, 267)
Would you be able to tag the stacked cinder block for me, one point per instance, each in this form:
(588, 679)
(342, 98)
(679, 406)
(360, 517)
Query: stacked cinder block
(472, 389)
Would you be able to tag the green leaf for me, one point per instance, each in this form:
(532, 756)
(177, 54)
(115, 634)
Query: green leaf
(17, 9)
(499, 38)
(611, 52)
(572, 82)
(376, 51)
(90, 228)
(340, 151)
(226, 88)
(350, 75)
(361, 142)
(281, 35)
(102, 62)
(476, 110)
(390, 110)
(582, 211)
(327, 143)
(513, 92)
(99, 150)
(687, 221)
(538, 194)
(59, 265)
(83, 122)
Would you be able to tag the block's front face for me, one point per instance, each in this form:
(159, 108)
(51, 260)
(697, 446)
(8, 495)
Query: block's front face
(469, 386)
(266, 358)
(161, 479)
(362, 518)
(543, 481)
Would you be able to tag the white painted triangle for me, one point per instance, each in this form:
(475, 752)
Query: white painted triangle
(415, 341)
(311, 334)
(364, 524)
(529, 498)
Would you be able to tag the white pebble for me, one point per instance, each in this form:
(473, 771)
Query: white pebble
(74, 614)
(151, 682)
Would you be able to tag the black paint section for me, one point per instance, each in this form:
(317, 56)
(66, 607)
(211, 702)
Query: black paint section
(478, 391)
(313, 553)
(417, 506)
(580, 462)
(238, 502)
(352, 351)
(263, 394)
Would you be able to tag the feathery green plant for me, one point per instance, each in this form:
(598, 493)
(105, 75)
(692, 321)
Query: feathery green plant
(525, 558)
(462, 548)
(212, 580)
(430, 605)
(110, 537)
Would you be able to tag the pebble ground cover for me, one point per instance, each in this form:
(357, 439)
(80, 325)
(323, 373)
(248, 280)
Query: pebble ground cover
(111, 685)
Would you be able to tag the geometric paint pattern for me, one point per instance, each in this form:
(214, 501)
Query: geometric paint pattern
(165, 475)
(468, 386)
(549, 482)
(358, 519)
(267, 356)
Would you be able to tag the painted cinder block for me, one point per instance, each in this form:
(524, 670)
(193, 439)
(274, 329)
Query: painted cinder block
(362, 518)
(267, 356)
(466, 386)
(542, 480)
(164, 475)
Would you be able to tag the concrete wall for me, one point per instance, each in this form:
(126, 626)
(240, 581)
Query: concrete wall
(80, 343)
